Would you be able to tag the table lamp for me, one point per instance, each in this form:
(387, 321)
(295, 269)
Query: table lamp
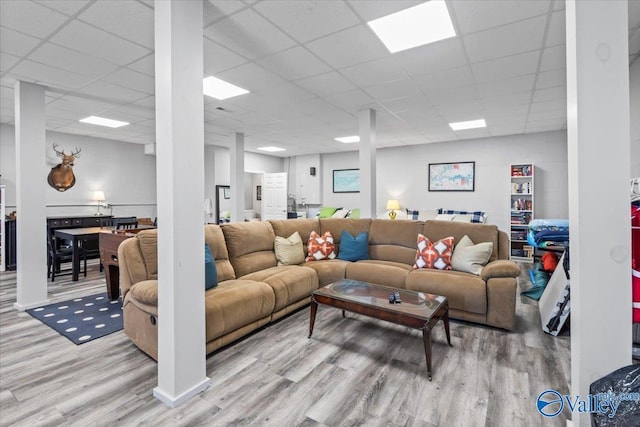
(98, 197)
(392, 206)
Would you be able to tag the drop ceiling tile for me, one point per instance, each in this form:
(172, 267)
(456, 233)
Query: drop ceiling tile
(128, 19)
(634, 42)
(441, 134)
(513, 130)
(326, 84)
(295, 63)
(251, 77)
(351, 101)
(56, 122)
(7, 61)
(504, 68)
(433, 57)
(473, 133)
(418, 103)
(548, 115)
(554, 58)
(471, 110)
(456, 77)
(392, 90)
(375, 72)
(132, 80)
(453, 96)
(557, 30)
(43, 74)
(145, 65)
(65, 59)
(112, 93)
(134, 112)
(506, 86)
(84, 106)
(553, 105)
(545, 125)
(215, 10)
(149, 102)
(506, 40)
(550, 94)
(30, 18)
(348, 47)
(369, 10)
(249, 35)
(64, 6)
(473, 15)
(87, 39)
(558, 5)
(218, 58)
(512, 100)
(552, 78)
(313, 106)
(16, 43)
(308, 20)
(517, 116)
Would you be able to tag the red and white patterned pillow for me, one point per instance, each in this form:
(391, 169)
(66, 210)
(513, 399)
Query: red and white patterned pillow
(321, 247)
(434, 255)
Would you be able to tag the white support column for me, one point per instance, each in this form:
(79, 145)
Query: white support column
(237, 178)
(367, 124)
(598, 153)
(180, 150)
(31, 182)
(210, 182)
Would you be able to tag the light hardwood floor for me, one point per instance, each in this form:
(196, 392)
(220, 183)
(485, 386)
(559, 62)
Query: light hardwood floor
(354, 371)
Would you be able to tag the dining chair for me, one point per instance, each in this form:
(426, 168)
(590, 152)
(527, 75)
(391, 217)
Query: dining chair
(58, 253)
(125, 223)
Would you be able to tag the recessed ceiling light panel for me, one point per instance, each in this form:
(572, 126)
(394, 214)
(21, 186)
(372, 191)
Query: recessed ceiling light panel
(101, 121)
(271, 149)
(219, 89)
(418, 25)
(348, 139)
(471, 124)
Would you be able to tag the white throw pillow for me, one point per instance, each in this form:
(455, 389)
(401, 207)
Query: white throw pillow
(427, 214)
(462, 218)
(471, 258)
(444, 217)
(289, 251)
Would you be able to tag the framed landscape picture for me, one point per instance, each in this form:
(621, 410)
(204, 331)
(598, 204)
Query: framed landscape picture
(346, 181)
(452, 176)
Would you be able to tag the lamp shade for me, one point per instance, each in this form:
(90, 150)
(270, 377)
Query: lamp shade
(98, 196)
(392, 205)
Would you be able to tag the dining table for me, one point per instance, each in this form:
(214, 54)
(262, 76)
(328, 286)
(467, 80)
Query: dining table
(78, 235)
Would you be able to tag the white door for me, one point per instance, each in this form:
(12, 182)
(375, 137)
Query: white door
(274, 196)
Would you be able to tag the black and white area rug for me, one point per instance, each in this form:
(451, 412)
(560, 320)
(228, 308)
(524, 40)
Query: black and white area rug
(82, 319)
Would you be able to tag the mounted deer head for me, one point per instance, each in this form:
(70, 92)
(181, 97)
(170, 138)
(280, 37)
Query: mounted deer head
(61, 176)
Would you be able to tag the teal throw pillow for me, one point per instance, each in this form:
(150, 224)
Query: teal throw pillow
(210, 271)
(354, 248)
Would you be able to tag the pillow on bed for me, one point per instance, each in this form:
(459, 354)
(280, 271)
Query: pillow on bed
(476, 216)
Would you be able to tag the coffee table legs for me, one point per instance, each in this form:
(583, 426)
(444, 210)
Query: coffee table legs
(445, 320)
(426, 339)
(312, 318)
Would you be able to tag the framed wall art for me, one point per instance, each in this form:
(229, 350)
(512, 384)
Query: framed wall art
(452, 176)
(346, 180)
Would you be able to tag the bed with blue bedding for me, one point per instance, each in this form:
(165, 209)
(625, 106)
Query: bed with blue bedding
(548, 232)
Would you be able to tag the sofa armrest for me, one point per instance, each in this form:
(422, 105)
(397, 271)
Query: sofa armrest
(500, 268)
(145, 292)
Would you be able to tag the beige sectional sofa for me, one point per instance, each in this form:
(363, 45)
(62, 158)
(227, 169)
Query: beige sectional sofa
(253, 290)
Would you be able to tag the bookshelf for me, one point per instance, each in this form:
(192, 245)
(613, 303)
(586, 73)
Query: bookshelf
(522, 210)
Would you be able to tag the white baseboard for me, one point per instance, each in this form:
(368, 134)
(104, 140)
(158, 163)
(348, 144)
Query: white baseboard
(26, 307)
(174, 401)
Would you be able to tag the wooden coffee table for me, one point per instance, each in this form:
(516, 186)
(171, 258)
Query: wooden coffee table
(417, 310)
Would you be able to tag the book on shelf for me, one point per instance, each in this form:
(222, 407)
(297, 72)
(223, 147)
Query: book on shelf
(521, 170)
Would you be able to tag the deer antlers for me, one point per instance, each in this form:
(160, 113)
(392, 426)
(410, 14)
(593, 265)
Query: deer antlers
(74, 154)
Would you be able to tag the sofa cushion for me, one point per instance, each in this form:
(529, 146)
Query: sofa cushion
(215, 239)
(354, 248)
(434, 254)
(465, 291)
(470, 258)
(436, 230)
(290, 283)
(236, 303)
(250, 246)
(386, 273)
(320, 247)
(328, 271)
(286, 227)
(148, 240)
(394, 240)
(289, 250)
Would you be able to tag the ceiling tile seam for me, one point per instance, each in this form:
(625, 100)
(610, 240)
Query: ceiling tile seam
(69, 19)
(540, 56)
(225, 15)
